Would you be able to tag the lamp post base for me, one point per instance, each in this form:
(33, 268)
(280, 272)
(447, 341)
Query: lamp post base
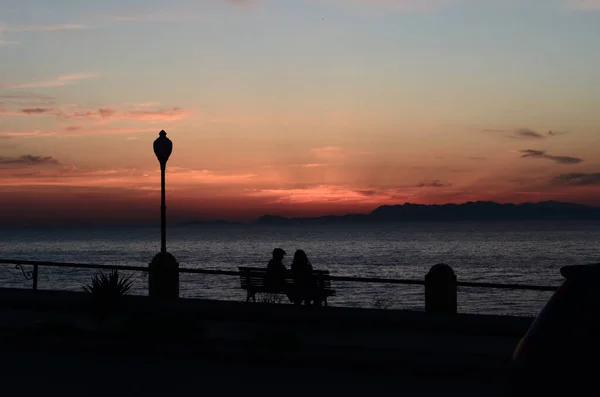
(163, 277)
(440, 290)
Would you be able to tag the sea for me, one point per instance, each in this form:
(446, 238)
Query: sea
(492, 252)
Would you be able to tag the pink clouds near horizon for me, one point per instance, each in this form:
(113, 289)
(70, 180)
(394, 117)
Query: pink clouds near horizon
(275, 194)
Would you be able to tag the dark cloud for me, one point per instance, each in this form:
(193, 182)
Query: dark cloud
(528, 133)
(104, 112)
(367, 192)
(476, 158)
(77, 115)
(28, 159)
(73, 128)
(38, 109)
(541, 154)
(32, 111)
(435, 183)
(577, 179)
(524, 133)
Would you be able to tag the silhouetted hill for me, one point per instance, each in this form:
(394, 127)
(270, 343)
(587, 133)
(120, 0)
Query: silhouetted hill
(470, 211)
(207, 223)
(280, 220)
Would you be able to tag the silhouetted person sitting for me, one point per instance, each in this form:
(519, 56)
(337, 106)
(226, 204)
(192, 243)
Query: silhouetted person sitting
(304, 285)
(276, 271)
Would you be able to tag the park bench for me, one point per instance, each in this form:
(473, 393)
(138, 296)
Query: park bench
(252, 279)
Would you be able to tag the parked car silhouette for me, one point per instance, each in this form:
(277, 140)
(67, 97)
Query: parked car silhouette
(563, 342)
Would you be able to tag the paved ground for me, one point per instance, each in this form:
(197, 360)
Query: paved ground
(367, 353)
(50, 372)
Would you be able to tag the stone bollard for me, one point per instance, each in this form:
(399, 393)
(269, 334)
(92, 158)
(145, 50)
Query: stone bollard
(163, 277)
(440, 290)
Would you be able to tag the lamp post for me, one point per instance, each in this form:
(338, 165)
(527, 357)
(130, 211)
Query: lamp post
(163, 280)
(163, 147)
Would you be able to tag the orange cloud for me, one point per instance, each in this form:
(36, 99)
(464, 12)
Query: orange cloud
(333, 154)
(18, 175)
(323, 194)
(313, 165)
(186, 176)
(100, 114)
(121, 195)
(171, 114)
(165, 114)
(26, 134)
(74, 131)
(328, 151)
(146, 105)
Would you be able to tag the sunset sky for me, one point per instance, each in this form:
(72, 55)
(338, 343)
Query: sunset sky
(295, 107)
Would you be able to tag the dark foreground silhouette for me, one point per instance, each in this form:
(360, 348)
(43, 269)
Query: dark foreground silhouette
(301, 283)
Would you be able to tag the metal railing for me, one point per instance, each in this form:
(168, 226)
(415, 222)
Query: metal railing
(33, 275)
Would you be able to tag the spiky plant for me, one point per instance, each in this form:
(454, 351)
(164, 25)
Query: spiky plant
(109, 286)
(106, 291)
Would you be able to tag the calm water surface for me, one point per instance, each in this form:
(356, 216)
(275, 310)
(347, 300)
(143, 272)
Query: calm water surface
(528, 253)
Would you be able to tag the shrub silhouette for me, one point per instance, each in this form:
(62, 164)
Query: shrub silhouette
(106, 291)
(109, 287)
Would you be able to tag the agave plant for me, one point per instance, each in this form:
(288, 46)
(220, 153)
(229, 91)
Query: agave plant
(109, 286)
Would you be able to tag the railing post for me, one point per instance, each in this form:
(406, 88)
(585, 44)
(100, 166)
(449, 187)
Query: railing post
(440, 290)
(35, 277)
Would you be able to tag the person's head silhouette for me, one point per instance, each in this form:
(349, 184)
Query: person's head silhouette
(300, 257)
(278, 254)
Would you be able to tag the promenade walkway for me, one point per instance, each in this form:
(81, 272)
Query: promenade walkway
(332, 350)
(27, 371)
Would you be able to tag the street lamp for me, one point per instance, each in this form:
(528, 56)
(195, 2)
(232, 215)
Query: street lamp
(164, 269)
(162, 149)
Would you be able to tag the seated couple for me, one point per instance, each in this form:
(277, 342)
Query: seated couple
(304, 289)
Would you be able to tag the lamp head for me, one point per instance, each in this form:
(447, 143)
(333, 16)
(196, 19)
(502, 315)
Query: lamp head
(163, 147)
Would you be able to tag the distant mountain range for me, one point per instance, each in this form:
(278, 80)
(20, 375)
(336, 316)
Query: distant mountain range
(208, 223)
(471, 211)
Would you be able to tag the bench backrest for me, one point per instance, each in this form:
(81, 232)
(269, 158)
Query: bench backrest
(255, 277)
